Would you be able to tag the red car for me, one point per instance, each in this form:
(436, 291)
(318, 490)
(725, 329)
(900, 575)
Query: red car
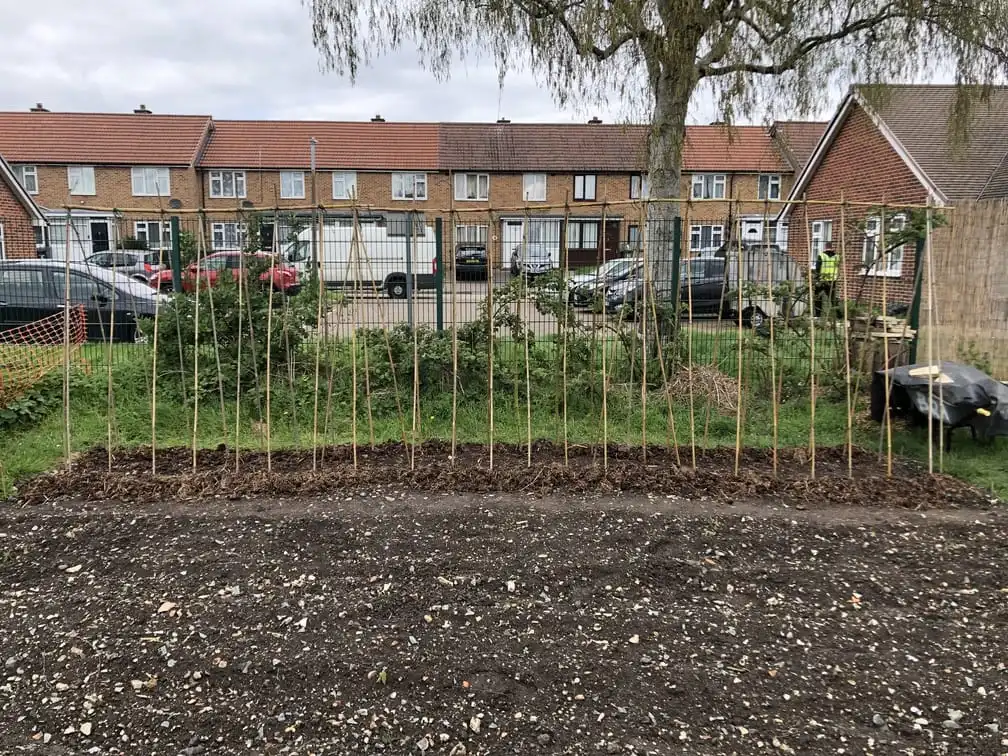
(284, 279)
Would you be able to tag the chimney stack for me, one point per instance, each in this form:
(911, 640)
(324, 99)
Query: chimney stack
(39, 108)
(595, 120)
(142, 110)
(378, 119)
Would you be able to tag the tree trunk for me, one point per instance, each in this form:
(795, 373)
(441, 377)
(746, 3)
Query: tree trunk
(673, 87)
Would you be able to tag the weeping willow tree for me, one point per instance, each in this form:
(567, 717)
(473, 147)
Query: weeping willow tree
(749, 55)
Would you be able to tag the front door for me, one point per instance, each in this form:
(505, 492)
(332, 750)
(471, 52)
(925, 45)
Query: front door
(511, 237)
(99, 236)
(610, 241)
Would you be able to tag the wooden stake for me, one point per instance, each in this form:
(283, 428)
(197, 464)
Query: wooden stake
(354, 261)
(525, 340)
(320, 279)
(605, 377)
(109, 407)
(416, 355)
(66, 343)
(646, 279)
(154, 373)
(812, 340)
(688, 234)
(200, 254)
(269, 367)
(238, 385)
(213, 327)
(567, 309)
(492, 328)
(740, 282)
(773, 347)
(885, 339)
(454, 317)
(930, 341)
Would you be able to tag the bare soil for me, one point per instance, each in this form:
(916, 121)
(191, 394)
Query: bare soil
(543, 470)
(384, 620)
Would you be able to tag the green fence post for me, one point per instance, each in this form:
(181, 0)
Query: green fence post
(916, 301)
(439, 271)
(176, 254)
(676, 263)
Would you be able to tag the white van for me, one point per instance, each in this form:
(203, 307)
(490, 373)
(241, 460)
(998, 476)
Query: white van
(374, 259)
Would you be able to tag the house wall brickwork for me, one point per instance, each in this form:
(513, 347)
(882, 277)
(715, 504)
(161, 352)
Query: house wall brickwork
(859, 167)
(18, 228)
(113, 189)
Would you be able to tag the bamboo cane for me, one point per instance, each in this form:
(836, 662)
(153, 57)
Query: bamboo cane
(491, 329)
(812, 341)
(454, 324)
(238, 381)
(773, 346)
(66, 343)
(525, 341)
(154, 356)
(930, 341)
(739, 355)
(200, 254)
(109, 399)
(566, 329)
(269, 367)
(605, 377)
(689, 330)
(213, 328)
(320, 280)
(885, 340)
(847, 334)
(416, 358)
(646, 280)
(353, 260)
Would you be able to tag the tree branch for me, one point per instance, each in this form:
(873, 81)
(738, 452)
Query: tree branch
(804, 46)
(557, 12)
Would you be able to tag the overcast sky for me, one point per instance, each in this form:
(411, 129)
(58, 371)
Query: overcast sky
(238, 59)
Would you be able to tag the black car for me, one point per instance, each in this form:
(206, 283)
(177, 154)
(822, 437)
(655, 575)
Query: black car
(470, 261)
(113, 303)
(702, 282)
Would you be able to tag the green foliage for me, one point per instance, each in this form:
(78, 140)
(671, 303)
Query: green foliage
(34, 406)
(188, 249)
(234, 319)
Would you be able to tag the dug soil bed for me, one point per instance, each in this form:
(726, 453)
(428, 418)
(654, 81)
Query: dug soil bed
(430, 467)
(427, 625)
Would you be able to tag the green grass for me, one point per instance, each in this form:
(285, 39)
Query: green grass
(29, 451)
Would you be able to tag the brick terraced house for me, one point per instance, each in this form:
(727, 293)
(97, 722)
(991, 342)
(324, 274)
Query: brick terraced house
(21, 221)
(529, 177)
(889, 148)
(88, 163)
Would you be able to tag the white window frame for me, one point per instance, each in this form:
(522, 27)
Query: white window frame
(472, 187)
(472, 233)
(240, 235)
(348, 181)
(634, 238)
(150, 181)
(22, 172)
(585, 187)
(822, 232)
(534, 187)
(164, 238)
(580, 225)
(238, 189)
(638, 186)
(81, 180)
(717, 230)
(768, 186)
(716, 182)
(872, 241)
(289, 181)
(409, 186)
(3, 243)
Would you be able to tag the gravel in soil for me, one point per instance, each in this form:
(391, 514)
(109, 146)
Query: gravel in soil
(400, 623)
(432, 468)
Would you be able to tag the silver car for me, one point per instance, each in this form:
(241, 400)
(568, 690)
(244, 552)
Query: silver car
(532, 259)
(132, 263)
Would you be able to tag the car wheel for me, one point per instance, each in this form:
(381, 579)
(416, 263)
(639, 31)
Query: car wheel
(396, 288)
(753, 317)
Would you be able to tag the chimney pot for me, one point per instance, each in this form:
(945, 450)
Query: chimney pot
(595, 120)
(39, 108)
(378, 119)
(142, 110)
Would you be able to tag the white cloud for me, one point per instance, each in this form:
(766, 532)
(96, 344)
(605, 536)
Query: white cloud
(238, 59)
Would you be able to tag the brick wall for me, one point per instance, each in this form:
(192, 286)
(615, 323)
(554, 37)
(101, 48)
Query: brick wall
(18, 231)
(862, 167)
(113, 189)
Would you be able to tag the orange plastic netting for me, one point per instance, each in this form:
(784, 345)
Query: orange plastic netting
(32, 351)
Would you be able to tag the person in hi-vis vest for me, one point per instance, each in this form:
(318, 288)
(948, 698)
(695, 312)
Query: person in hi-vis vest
(826, 276)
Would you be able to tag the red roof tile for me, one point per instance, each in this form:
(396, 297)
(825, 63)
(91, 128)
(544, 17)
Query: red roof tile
(101, 138)
(285, 144)
(798, 140)
(565, 148)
